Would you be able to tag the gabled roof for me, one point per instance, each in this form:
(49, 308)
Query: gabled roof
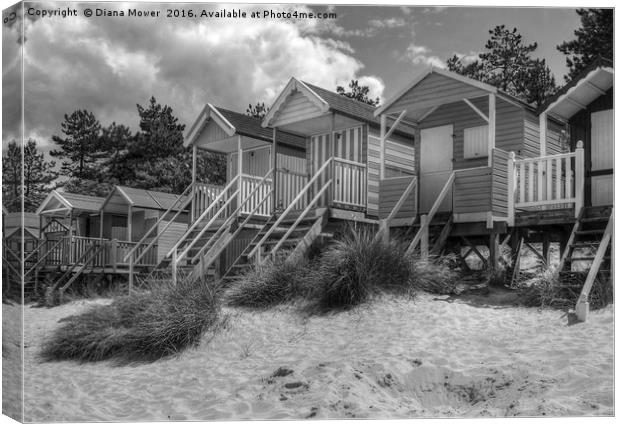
(327, 101)
(475, 84)
(73, 202)
(238, 123)
(147, 199)
(593, 81)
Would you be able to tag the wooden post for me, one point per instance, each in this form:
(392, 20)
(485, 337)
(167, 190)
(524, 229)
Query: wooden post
(239, 170)
(114, 255)
(494, 250)
(491, 128)
(332, 173)
(194, 171)
(542, 126)
(579, 178)
(424, 239)
(274, 177)
(174, 266)
(101, 223)
(129, 222)
(511, 189)
(382, 149)
(546, 243)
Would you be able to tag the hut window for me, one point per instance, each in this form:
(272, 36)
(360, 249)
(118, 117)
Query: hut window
(476, 142)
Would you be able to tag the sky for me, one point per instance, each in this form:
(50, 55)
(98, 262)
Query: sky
(107, 65)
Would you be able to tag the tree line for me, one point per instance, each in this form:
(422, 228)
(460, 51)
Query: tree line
(94, 158)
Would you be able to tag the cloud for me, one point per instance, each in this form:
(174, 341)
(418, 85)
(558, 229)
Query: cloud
(467, 58)
(421, 55)
(107, 65)
(388, 23)
(436, 9)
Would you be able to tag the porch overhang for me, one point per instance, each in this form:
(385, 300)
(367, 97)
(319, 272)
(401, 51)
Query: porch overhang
(426, 93)
(311, 105)
(576, 96)
(231, 144)
(209, 112)
(54, 203)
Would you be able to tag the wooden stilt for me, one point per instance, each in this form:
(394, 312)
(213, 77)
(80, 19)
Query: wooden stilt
(546, 243)
(494, 251)
(516, 268)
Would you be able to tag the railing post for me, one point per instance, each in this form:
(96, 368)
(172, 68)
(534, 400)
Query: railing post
(511, 189)
(114, 254)
(424, 239)
(174, 266)
(579, 177)
(131, 273)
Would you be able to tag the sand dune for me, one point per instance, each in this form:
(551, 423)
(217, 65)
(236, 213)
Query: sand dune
(433, 356)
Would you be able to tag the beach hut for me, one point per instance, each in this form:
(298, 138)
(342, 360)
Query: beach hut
(586, 105)
(64, 213)
(259, 180)
(130, 214)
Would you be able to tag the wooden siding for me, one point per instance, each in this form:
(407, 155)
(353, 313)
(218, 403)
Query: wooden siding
(291, 178)
(580, 130)
(435, 88)
(212, 132)
(472, 190)
(508, 130)
(499, 183)
(399, 154)
(391, 189)
(235, 248)
(295, 108)
(531, 136)
(169, 237)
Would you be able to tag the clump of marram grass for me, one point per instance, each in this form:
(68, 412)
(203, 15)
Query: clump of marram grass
(271, 283)
(547, 289)
(141, 327)
(437, 275)
(357, 267)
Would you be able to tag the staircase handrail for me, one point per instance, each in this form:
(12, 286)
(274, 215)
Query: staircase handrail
(235, 214)
(431, 213)
(204, 214)
(75, 264)
(161, 218)
(290, 207)
(300, 217)
(596, 263)
(397, 207)
(205, 228)
(42, 258)
(97, 250)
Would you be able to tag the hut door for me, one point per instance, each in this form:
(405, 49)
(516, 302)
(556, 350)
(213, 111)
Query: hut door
(436, 152)
(602, 137)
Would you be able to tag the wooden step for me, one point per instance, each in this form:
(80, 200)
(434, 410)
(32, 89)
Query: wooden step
(588, 258)
(589, 232)
(580, 244)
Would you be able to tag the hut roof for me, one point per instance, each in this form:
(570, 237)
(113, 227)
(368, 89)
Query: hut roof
(57, 200)
(148, 199)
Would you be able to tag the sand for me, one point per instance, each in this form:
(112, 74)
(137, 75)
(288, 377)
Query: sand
(433, 356)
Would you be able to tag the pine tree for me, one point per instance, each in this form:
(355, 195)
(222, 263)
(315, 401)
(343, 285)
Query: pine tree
(358, 92)
(259, 110)
(507, 64)
(595, 38)
(37, 176)
(81, 146)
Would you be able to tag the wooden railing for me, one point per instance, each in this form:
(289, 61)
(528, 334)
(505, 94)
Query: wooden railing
(384, 224)
(67, 251)
(349, 182)
(546, 181)
(421, 236)
(254, 191)
(582, 307)
(289, 184)
(204, 195)
(256, 251)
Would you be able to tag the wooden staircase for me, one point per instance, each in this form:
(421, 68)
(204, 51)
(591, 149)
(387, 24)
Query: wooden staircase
(588, 249)
(439, 229)
(290, 238)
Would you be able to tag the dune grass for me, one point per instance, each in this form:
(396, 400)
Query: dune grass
(545, 289)
(349, 272)
(357, 267)
(437, 275)
(272, 283)
(141, 327)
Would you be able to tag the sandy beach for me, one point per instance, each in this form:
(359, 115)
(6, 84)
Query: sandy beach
(433, 356)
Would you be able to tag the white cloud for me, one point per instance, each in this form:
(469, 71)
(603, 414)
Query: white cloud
(387, 23)
(421, 55)
(109, 65)
(467, 58)
(436, 9)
